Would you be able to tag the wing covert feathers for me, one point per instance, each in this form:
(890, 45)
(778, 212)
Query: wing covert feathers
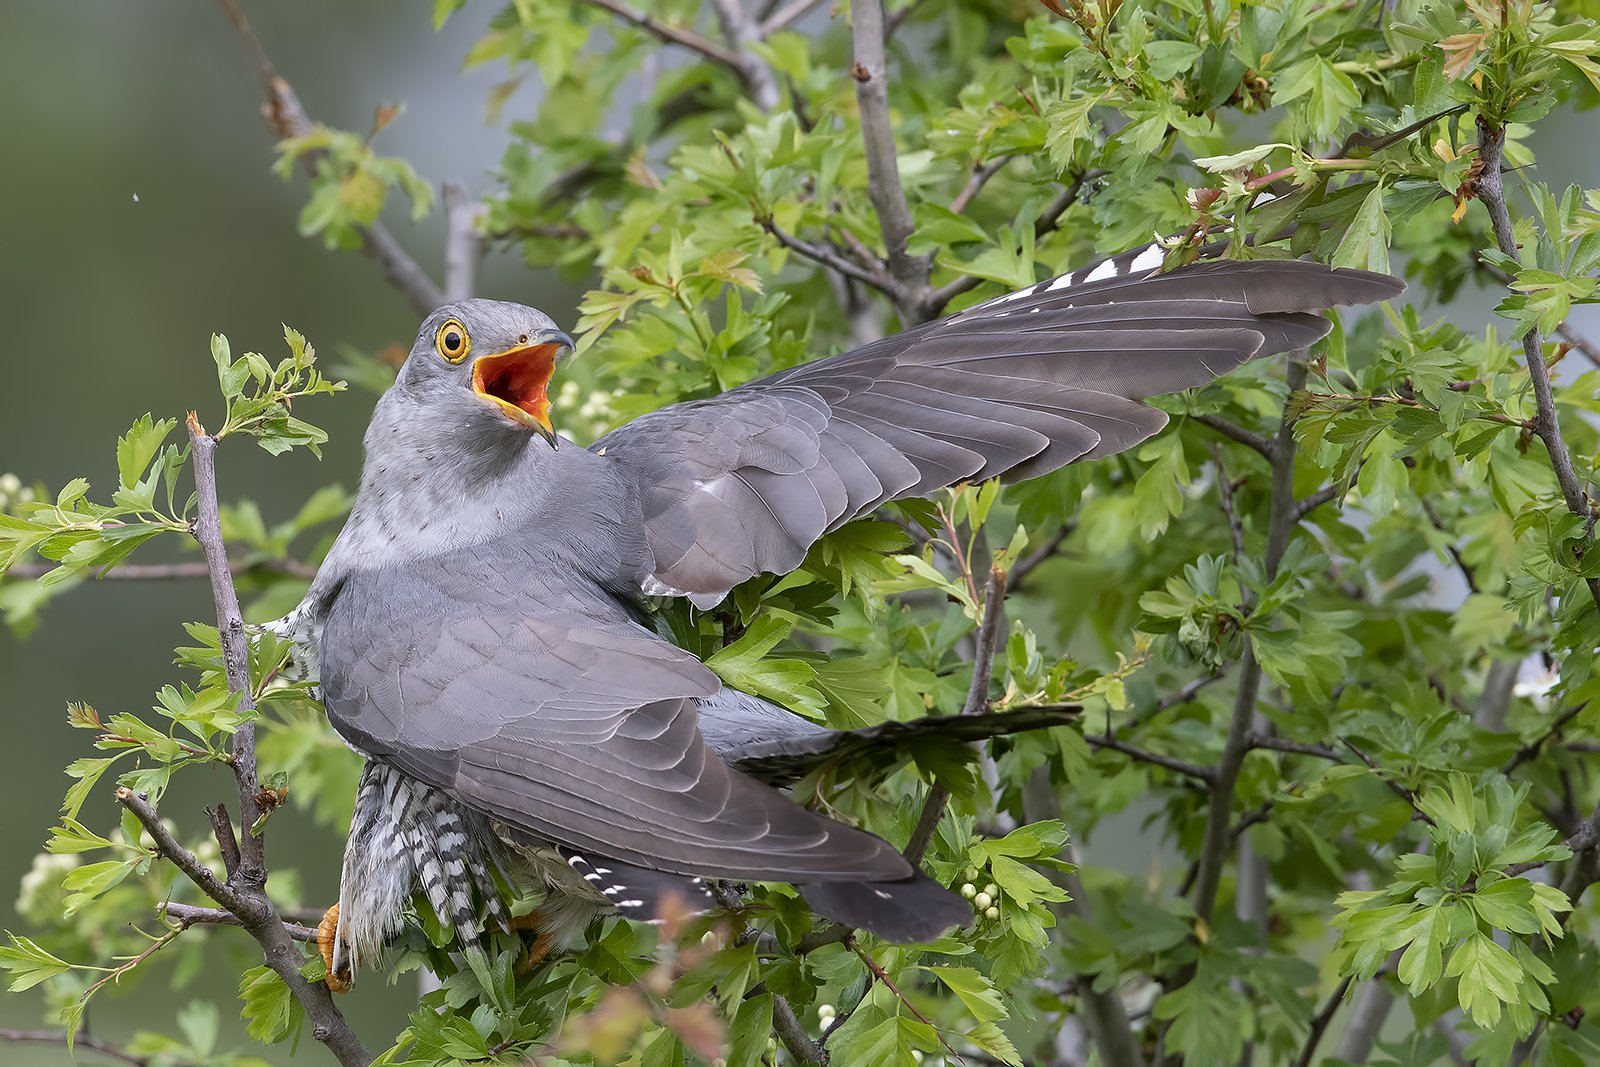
(744, 483)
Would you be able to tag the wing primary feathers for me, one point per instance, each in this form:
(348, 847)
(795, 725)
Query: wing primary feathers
(1112, 333)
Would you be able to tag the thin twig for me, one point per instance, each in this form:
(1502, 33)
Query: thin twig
(1183, 695)
(672, 34)
(1311, 503)
(187, 915)
(137, 572)
(1534, 747)
(79, 1040)
(1233, 431)
(1043, 554)
(831, 259)
(1283, 744)
(1229, 512)
(1319, 1024)
(1455, 553)
(1546, 424)
(980, 177)
(1183, 767)
(989, 632)
(287, 118)
(883, 166)
(787, 16)
(1394, 787)
(938, 299)
(227, 843)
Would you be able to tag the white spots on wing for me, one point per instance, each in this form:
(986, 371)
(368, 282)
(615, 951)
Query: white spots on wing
(881, 895)
(1102, 271)
(1149, 259)
(630, 903)
(575, 860)
(611, 890)
(1033, 311)
(653, 586)
(1063, 282)
(602, 870)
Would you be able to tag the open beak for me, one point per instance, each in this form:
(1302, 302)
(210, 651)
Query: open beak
(517, 380)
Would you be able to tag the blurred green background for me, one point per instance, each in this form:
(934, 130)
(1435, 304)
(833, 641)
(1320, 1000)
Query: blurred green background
(137, 216)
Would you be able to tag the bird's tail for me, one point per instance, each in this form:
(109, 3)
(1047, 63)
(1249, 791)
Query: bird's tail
(910, 910)
(788, 759)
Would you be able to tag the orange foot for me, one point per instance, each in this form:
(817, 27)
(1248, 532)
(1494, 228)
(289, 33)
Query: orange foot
(542, 941)
(327, 932)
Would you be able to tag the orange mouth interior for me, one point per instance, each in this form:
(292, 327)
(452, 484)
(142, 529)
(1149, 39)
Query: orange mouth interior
(517, 380)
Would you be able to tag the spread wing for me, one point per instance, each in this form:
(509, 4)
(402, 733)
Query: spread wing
(745, 482)
(565, 720)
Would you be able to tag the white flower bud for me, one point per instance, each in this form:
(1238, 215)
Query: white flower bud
(992, 890)
(982, 900)
(709, 939)
(826, 1012)
(916, 1055)
(970, 873)
(969, 890)
(991, 913)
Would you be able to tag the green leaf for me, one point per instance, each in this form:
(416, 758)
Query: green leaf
(139, 446)
(1365, 244)
(976, 992)
(270, 1011)
(28, 963)
(744, 665)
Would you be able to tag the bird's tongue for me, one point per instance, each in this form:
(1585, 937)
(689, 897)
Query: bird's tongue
(518, 379)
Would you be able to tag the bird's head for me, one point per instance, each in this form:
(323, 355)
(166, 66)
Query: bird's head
(490, 359)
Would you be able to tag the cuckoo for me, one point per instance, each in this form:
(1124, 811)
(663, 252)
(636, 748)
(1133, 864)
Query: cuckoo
(480, 627)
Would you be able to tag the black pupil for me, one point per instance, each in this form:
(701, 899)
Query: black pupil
(452, 340)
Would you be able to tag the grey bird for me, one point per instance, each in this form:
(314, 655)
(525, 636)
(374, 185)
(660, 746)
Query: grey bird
(479, 626)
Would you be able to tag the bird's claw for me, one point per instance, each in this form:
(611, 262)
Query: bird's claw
(327, 938)
(542, 940)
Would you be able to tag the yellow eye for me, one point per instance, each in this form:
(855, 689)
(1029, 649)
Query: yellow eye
(452, 341)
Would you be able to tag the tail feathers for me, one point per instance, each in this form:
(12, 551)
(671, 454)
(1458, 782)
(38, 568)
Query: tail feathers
(455, 866)
(910, 910)
(641, 893)
(783, 760)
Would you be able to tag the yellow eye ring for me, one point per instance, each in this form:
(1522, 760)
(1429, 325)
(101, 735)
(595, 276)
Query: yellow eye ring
(452, 341)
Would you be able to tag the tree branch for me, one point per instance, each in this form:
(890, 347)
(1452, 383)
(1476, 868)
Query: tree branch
(831, 259)
(994, 603)
(1311, 503)
(170, 571)
(1534, 747)
(79, 1040)
(1319, 1024)
(883, 164)
(244, 893)
(1235, 432)
(1183, 767)
(1546, 424)
(1218, 842)
(463, 242)
(1282, 744)
(672, 34)
(980, 177)
(936, 300)
(287, 118)
(742, 32)
(187, 915)
(793, 1034)
(787, 16)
